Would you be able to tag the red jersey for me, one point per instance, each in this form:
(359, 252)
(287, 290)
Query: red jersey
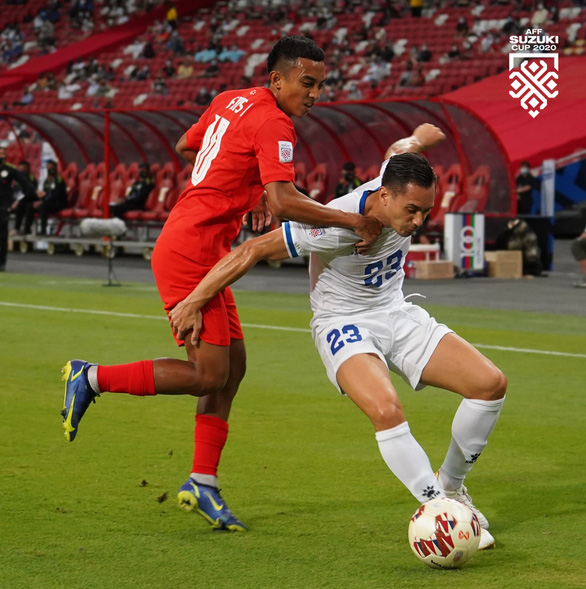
(244, 141)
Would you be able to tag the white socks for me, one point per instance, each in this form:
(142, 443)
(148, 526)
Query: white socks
(473, 423)
(408, 462)
(92, 376)
(205, 479)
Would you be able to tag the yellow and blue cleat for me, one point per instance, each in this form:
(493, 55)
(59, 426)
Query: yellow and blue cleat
(78, 396)
(208, 502)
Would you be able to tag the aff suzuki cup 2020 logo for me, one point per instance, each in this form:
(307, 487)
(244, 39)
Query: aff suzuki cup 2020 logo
(535, 81)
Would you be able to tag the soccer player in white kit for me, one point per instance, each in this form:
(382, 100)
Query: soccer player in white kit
(363, 326)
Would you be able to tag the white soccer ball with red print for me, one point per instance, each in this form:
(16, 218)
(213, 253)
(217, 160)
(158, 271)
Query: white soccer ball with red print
(444, 534)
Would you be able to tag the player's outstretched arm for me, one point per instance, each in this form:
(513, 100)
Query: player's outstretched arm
(423, 138)
(186, 315)
(286, 202)
(185, 152)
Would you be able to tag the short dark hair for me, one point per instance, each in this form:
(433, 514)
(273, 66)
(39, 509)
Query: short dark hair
(290, 49)
(349, 167)
(406, 168)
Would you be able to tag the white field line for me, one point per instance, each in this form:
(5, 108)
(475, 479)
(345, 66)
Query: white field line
(257, 326)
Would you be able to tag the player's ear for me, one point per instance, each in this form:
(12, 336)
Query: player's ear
(275, 79)
(384, 194)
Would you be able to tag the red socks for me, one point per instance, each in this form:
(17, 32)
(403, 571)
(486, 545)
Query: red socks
(210, 437)
(137, 378)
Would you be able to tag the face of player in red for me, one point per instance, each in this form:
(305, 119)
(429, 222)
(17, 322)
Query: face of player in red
(404, 212)
(298, 88)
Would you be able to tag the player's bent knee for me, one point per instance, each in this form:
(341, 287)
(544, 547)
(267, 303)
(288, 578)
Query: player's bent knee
(492, 384)
(386, 415)
(212, 382)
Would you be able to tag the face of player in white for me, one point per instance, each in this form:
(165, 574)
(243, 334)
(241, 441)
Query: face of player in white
(403, 212)
(299, 87)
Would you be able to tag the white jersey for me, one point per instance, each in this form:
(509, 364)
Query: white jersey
(343, 281)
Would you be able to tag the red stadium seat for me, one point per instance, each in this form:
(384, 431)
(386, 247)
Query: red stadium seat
(164, 183)
(317, 181)
(477, 192)
(300, 175)
(449, 188)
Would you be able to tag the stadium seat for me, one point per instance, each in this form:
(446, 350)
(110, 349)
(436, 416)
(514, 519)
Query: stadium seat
(317, 181)
(449, 188)
(477, 192)
(300, 175)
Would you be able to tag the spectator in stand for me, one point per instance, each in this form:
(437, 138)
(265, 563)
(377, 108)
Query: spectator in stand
(66, 91)
(462, 27)
(512, 26)
(478, 28)
(416, 8)
(103, 89)
(417, 79)
(486, 42)
(539, 17)
(53, 14)
(206, 55)
(168, 69)
(405, 77)
(141, 74)
(26, 98)
(377, 70)
(203, 97)
(454, 52)
(172, 15)
(354, 92)
(233, 54)
(388, 52)
(184, 70)
(160, 87)
(212, 70)
(52, 199)
(348, 180)
(148, 51)
(135, 49)
(93, 87)
(175, 43)
(425, 54)
(138, 193)
(41, 84)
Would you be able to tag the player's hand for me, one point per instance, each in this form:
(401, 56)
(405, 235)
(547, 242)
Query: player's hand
(186, 317)
(261, 216)
(429, 136)
(369, 229)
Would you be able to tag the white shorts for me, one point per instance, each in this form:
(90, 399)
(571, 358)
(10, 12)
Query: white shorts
(403, 336)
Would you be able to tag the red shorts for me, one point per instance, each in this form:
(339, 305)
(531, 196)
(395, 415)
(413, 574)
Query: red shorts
(176, 277)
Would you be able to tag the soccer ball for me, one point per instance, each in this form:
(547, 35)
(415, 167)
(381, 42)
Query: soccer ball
(444, 534)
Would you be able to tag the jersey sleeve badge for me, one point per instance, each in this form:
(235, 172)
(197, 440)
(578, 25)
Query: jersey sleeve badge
(285, 152)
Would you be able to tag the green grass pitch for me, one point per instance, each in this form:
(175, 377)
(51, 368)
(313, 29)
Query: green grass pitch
(301, 467)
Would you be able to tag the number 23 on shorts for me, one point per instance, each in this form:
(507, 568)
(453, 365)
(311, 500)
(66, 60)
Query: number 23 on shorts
(338, 338)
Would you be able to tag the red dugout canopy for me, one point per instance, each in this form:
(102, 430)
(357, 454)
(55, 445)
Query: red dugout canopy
(558, 131)
(330, 135)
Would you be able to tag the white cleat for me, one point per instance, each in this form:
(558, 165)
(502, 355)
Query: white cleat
(486, 540)
(462, 496)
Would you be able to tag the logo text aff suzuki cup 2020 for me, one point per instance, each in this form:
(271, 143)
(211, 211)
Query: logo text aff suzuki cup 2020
(536, 79)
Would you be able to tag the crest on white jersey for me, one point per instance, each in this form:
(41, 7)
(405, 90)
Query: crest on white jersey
(285, 152)
(316, 232)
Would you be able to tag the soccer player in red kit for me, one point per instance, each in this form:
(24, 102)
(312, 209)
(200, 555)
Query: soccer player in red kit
(241, 147)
